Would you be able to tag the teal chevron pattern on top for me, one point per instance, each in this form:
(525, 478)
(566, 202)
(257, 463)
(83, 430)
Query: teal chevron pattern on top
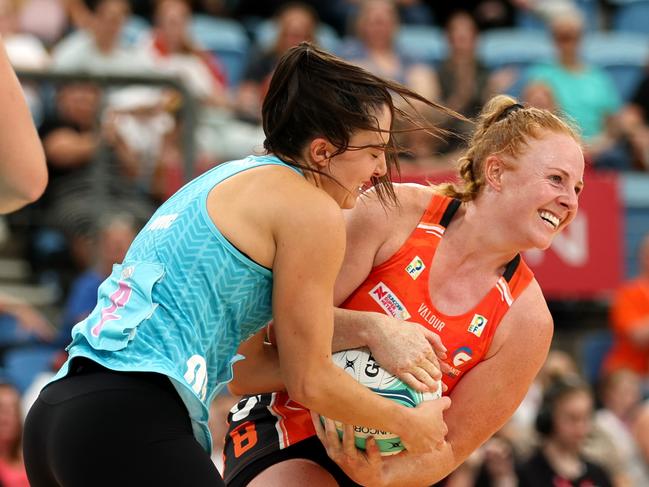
(202, 296)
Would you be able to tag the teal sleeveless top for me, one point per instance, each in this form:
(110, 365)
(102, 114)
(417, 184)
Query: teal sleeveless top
(181, 302)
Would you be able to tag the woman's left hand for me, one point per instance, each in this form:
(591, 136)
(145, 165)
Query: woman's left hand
(363, 467)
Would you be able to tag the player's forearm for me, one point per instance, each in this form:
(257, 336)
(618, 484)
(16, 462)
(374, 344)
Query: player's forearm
(327, 390)
(259, 372)
(406, 470)
(353, 329)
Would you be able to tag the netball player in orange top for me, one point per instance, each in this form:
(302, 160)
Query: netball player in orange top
(447, 258)
(23, 173)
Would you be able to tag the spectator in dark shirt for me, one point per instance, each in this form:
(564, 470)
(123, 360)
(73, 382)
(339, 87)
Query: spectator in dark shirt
(564, 422)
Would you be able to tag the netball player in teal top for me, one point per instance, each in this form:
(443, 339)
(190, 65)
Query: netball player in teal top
(249, 240)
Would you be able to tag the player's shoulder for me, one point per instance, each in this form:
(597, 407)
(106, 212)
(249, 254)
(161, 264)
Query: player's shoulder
(532, 305)
(286, 192)
(529, 319)
(526, 328)
(414, 193)
(295, 207)
(410, 198)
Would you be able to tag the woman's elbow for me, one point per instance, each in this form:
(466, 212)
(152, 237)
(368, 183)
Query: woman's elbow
(36, 190)
(37, 180)
(235, 389)
(305, 388)
(237, 386)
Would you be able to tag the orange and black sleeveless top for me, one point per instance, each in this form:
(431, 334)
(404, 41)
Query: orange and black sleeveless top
(399, 287)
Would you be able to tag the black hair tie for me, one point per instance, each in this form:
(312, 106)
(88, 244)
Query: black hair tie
(511, 108)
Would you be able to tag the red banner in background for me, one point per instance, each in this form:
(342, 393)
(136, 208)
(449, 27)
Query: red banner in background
(585, 261)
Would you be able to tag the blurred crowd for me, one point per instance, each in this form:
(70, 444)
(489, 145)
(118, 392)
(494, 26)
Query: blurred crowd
(131, 98)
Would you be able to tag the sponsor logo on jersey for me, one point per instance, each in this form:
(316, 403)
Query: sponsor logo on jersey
(118, 300)
(477, 325)
(127, 272)
(453, 372)
(389, 302)
(461, 356)
(426, 313)
(163, 222)
(415, 267)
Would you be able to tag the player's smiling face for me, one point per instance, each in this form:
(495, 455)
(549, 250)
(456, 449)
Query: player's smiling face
(542, 188)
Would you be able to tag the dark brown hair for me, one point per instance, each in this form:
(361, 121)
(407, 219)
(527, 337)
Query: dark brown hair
(315, 94)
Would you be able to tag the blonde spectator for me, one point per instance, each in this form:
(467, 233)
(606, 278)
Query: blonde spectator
(584, 92)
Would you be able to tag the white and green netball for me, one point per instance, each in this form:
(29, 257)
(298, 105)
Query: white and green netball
(360, 364)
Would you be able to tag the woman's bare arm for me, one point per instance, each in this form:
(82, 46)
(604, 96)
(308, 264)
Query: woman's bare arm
(23, 173)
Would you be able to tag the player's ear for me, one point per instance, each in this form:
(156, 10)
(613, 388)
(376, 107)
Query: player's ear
(320, 151)
(494, 168)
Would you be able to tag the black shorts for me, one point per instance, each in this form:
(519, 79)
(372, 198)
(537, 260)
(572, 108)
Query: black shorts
(310, 449)
(256, 434)
(104, 428)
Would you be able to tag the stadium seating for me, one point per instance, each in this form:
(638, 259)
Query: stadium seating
(631, 16)
(11, 334)
(134, 30)
(425, 44)
(594, 346)
(623, 55)
(519, 48)
(22, 365)
(227, 39)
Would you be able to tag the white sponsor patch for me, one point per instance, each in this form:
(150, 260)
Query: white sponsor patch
(163, 222)
(389, 302)
(461, 358)
(477, 324)
(415, 267)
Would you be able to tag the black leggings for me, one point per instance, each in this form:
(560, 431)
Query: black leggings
(98, 427)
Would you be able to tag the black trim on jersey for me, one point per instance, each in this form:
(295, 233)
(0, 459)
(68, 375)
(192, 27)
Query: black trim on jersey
(511, 267)
(448, 215)
(450, 212)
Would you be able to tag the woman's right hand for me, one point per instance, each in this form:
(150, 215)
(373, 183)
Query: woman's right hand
(409, 351)
(426, 430)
